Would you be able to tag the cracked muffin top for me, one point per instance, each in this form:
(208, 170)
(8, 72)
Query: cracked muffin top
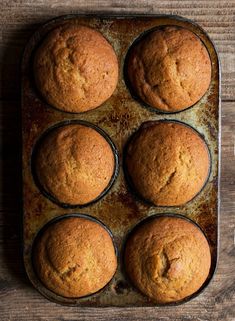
(74, 164)
(169, 69)
(75, 257)
(167, 258)
(167, 163)
(75, 68)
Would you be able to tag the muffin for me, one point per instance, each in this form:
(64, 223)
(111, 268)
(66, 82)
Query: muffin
(169, 69)
(167, 258)
(74, 164)
(167, 163)
(75, 68)
(75, 257)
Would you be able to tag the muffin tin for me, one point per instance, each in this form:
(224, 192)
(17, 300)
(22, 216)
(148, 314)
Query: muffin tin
(119, 117)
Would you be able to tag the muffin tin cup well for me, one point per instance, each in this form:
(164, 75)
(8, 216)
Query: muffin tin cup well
(119, 117)
(37, 282)
(131, 186)
(156, 216)
(103, 134)
(129, 85)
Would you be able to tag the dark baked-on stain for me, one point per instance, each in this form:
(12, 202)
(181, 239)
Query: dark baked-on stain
(167, 258)
(167, 162)
(75, 68)
(169, 68)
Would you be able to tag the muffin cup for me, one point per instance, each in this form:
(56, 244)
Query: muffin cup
(40, 42)
(49, 294)
(103, 134)
(128, 82)
(127, 176)
(163, 215)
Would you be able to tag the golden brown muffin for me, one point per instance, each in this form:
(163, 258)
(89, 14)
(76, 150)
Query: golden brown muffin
(167, 258)
(75, 68)
(167, 162)
(74, 164)
(169, 69)
(75, 257)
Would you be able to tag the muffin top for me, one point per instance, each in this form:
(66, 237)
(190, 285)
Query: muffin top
(75, 68)
(167, 163)
(74, 164)
(75, 257)
(169, 69)
(167, 258)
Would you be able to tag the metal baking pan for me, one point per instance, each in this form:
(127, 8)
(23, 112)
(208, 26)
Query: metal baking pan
(119, 209)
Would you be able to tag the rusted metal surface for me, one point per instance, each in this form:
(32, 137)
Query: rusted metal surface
(120, 210)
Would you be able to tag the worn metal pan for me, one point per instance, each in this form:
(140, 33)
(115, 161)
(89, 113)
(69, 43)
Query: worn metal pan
(119, 209)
